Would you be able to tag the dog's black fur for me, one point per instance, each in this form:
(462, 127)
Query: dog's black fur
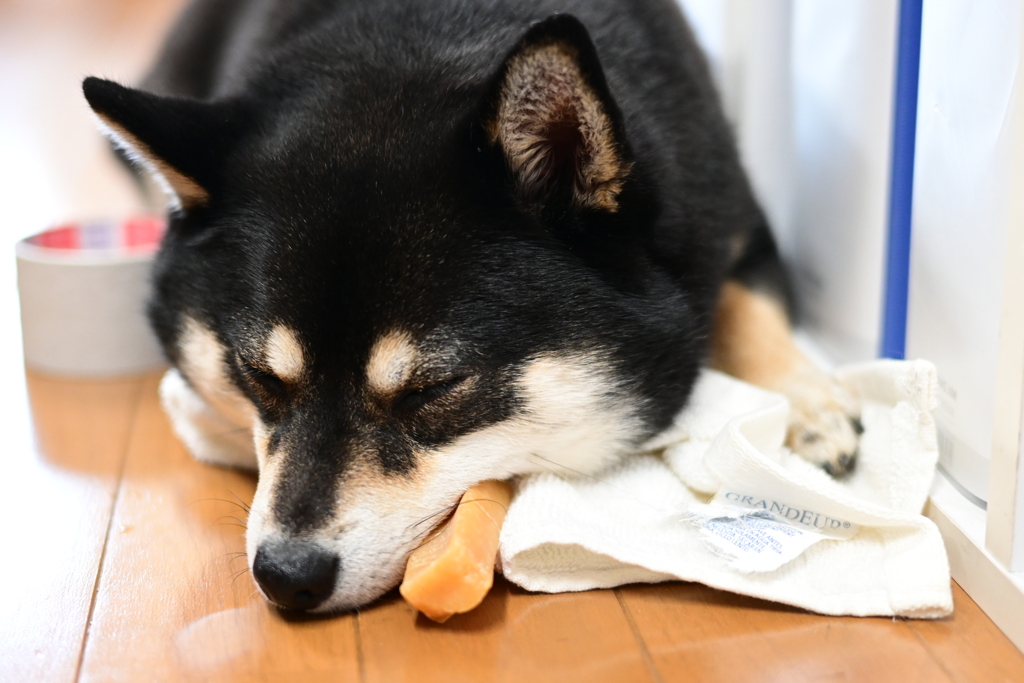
(352, 186)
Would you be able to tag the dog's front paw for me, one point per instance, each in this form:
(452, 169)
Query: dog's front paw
(208, 434)
(824, 421)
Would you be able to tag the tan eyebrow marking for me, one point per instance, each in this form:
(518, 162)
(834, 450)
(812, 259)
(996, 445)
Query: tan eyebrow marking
(391, 362)
(284, 353)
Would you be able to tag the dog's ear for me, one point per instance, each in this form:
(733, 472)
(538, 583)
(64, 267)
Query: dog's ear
(555, 120)
(179, 141)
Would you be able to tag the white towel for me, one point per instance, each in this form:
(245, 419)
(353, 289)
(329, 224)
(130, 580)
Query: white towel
(644, 521)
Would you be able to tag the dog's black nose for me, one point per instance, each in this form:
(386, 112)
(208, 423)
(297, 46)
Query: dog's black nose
(295, 575)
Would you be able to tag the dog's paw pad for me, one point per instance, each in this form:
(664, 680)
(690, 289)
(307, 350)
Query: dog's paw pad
(824, 425)
(843, 465)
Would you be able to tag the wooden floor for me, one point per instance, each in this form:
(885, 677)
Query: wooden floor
(121, 558)
(124, 563)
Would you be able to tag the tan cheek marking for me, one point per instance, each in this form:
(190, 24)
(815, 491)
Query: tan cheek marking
(202, 354)
(284, 353)
(203, 362)
(261, 515)
(391, 362)
(261, 442)
(752, 338)
(364, 485)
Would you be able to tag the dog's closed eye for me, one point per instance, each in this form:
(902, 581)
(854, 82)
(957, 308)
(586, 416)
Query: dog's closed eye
(269, 385)
(414, 399)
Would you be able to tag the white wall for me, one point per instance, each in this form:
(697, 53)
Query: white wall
(970, 56)
(808, 86)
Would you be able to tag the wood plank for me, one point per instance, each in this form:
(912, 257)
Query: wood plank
(175, 600)
(968, 646)
(56, 497)
(695, 633)
(512, 636)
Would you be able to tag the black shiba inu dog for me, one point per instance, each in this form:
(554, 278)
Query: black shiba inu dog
(416, 245)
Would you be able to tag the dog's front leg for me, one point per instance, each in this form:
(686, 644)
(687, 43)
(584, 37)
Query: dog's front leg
(752, 339)
(208, 434)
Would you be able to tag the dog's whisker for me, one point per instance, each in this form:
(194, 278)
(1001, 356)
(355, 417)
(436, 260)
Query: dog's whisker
(245, 506)
(240, 507)
(427, 532)
(483, 500)
(442, 511)
(225, 432)
(564, 467)
(237, 519)
(240, 504)
(450, 508)
(206, 500)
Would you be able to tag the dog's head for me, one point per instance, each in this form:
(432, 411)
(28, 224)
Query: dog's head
(408, 284)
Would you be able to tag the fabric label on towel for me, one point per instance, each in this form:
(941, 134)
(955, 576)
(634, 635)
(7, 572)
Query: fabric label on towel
(804, 517)
(754, 540)
(762, 532)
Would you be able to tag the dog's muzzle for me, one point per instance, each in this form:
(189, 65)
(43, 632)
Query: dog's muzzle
(294, 574)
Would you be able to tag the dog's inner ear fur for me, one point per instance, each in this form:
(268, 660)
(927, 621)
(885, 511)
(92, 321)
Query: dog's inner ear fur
(179, 141)
(183, 192)
(555, 130)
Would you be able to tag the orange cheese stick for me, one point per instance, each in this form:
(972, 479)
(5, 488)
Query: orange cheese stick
(454, 568)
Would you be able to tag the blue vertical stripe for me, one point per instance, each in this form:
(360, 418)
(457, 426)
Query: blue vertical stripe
(901, 187)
